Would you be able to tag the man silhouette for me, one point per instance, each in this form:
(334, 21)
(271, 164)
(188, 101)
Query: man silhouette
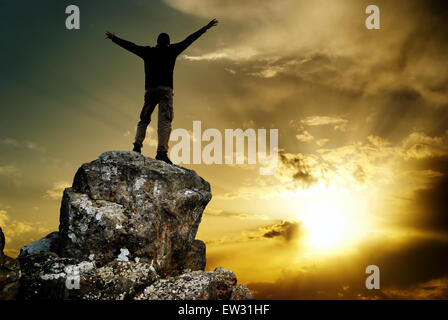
(159, 66)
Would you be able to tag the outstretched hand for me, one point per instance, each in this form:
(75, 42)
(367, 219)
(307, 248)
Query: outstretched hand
(110, 35)
(211, 24)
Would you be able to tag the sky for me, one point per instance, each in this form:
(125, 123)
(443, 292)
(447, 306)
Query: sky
(362, 118)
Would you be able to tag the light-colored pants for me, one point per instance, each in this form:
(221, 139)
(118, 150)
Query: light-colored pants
(163, 96)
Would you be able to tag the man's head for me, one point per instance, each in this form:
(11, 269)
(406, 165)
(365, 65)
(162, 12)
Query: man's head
(163, 40)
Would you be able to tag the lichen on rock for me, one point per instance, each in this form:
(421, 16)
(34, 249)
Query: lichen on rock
(127, 231)
(196, 285)
(125, 200)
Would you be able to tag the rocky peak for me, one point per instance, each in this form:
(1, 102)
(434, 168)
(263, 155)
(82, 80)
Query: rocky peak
(126, 204)
(127, 231)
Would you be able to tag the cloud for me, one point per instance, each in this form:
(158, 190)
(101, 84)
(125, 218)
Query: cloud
(3, 206)
(35, 147)
(323, 120)
(28, 144)
(3, 217)
(384, 76)
(18, 228)
(305, 136)
(15, 228)
(402, 275)
(378, 141)
(230, 214)
(9, 171)
(57, 190)
(418, 145)
(9, 142)
(285, 229)
(319, 49)
(368, 163)
(297, 167)
(434, 289)
(18, 233)
(428, 204)
(322, 142)
(228, 54)
(243, 193)
(12, 174)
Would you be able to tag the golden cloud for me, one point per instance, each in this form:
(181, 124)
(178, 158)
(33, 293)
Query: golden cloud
(57, 190)
(305, 136)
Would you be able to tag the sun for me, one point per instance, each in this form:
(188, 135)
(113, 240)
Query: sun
(326, 224)
(334, 219)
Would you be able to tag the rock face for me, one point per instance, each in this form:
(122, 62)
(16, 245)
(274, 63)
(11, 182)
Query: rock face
(195, 259)
(124, 201)
(219, 284)
(9, 273)
(127, 231)
(48, 243)
(48, 276)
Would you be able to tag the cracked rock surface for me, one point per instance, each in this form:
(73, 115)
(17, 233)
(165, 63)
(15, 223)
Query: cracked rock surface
(124, 200)
(219, 284)
(127, 231)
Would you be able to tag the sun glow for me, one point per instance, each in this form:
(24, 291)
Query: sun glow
(326, 225)
(333, 219)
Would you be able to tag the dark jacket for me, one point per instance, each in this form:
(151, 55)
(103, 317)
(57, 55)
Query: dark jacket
(159, 61)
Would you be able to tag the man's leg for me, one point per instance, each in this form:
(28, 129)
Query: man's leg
(166, 115)
(151, 100)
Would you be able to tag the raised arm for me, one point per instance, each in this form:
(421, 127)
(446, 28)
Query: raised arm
(181, 46)
(130, 46)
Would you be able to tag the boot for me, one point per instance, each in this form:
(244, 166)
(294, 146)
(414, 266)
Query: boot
(163, 156)
(137, 148)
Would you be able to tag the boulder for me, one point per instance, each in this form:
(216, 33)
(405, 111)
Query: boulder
(124, 201)
(127, 231)
(48, 243)
(48, 276)
(241, 292)
(121, 280)
(10, 273)
(195, 285)
(45, 276)
(196, 257)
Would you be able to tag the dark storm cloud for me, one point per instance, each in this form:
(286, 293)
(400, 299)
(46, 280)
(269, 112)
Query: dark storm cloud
(397, 88)
(394, 111)
(403, 270)
(431, 202)
(434, 12)
(418, 261)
